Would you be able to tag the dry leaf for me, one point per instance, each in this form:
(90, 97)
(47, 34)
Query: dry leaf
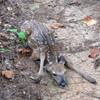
(78, 92)
(57, 25)
(24, 51)
(8, 74)
(88, 20)
(94, 52)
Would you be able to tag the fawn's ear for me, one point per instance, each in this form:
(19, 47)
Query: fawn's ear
(29, 32)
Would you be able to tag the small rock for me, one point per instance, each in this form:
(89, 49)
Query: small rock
(9, 8)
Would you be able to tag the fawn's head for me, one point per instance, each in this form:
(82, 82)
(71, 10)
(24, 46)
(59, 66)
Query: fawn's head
(57, 71)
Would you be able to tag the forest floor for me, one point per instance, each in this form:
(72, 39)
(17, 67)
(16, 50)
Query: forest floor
(78, 39)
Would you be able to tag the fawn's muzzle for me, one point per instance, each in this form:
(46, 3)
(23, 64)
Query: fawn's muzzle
(60, 79)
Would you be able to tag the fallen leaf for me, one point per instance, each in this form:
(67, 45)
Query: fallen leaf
(56, 25)
(4, 50)
(94, 52)
(78, 92)
(24, 51)
(12, 30)
(88, 20)
(8, 74)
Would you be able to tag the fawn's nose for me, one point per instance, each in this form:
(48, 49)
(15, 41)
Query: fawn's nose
(60, 80)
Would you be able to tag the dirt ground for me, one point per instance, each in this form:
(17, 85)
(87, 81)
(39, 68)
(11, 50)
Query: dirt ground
(77, 37)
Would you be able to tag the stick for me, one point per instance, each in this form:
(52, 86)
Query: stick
(71, 66)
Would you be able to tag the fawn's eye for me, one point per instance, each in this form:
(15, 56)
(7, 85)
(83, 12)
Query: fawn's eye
(54, 74)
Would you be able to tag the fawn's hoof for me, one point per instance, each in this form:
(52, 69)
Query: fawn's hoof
(37, 78)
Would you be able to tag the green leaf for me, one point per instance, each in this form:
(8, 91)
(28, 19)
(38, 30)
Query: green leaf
(22, 36)
(13, 30)
(4, 50)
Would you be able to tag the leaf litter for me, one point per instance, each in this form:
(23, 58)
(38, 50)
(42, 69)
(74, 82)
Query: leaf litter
(8, 74)
(88, 20)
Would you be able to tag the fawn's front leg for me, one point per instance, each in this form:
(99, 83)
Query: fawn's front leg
(42, 58)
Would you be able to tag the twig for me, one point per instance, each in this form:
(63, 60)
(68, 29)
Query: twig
(91, 95)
